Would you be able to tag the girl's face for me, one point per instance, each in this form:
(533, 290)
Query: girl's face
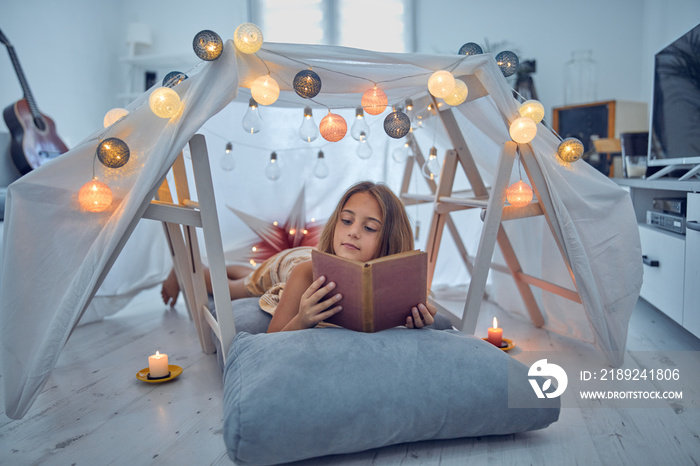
(357, 232)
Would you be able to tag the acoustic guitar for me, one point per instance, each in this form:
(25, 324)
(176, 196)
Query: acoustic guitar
(34, 139)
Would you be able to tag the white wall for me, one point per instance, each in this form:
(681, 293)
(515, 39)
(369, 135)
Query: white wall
(69, 49)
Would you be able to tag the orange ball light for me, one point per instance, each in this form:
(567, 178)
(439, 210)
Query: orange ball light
(333, 127)
(95, 196)
(374, 101)
(519, 194)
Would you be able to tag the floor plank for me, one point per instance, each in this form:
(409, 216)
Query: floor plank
(93, 410)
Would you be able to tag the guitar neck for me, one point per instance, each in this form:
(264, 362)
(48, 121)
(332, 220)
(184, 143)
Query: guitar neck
(23, 82)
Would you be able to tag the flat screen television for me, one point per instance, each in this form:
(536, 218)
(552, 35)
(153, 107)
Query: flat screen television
(675, 117)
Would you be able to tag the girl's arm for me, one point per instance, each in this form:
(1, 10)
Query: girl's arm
(299, 307)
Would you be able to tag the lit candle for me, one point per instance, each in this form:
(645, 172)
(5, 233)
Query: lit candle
(158, 366)
(495, 334)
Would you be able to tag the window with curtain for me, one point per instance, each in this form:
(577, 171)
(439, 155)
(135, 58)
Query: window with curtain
(381, 25)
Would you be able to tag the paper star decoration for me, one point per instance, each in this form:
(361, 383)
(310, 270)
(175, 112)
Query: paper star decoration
(274, 238)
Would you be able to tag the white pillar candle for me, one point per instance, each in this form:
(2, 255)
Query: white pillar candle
(158, 365)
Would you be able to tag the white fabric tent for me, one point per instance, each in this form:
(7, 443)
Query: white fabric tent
(56, 256)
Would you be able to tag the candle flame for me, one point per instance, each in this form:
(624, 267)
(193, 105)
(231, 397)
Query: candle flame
(495, 323)
(157, 354)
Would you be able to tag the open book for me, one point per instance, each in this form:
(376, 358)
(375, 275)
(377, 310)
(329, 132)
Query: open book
(378, 294)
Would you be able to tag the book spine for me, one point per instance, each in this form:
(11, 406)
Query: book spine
(367, 299)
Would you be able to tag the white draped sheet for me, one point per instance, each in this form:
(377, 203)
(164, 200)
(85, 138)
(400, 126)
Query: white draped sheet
(55, 254)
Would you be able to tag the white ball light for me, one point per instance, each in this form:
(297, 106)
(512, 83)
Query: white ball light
(441, 83)
(113, 116)
(265, 90)
(248, 38)
(523, 130)
(458, 94)
(532, 109)
(164, 102)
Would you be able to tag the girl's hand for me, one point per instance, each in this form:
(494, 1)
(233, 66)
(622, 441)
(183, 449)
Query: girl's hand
(311, 309)
(423, 315)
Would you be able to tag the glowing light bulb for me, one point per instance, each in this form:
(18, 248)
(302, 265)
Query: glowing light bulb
(174, 78)
(431, 167)
(570, 150)
(508, 62)
(397, 124)
(114, 115)
(401, 153)
(470, 48)
(458, 95)
(321, 167)
(265, 90)
(359, 125)
(364, 150)
(248, 38)
(532, 109)
(374, 101)
(226, 161)
(519, 194)
(307, 84)
(113, 153)
(409, 105)
(308, 130)
(164, 102)
(333, 127)
(523, 130)
(95, 196)
(441, 83)
(273, 171)
(252, 122)
(207, 45)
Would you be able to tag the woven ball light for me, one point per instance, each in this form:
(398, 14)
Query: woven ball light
(374, 101)
(441, 83)
(248, 38)
(265, 90)
(307, 84)
(570, 150)
(207, 45)
(397, 124)
(523, 130)
(113, 153)
(519, 194)
(333, 127)
(95, 196)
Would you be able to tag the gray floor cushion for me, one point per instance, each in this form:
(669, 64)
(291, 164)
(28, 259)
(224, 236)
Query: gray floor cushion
(309, 393)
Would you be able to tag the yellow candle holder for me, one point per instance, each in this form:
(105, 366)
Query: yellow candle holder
(506, 344)
(143, 374)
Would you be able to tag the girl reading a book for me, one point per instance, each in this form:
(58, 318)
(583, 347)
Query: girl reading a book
(368, 222)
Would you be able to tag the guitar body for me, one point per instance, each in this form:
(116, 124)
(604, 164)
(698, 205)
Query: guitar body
(31, 145)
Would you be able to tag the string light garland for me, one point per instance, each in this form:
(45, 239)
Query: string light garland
(359, 126)
(95, 196)
(570, 150)
(308, 131)
(431, 167)
(458, 95)
(252, 121)
(265, 90)
(532, 109)
(470, 48)
(374, 101)
(113, 116)
(307, 84)
(321, 168)
(113, 153)
(519, 194)
(333, 127)
(272, 170)
(397, 124)
(441, 83)
(523, 130)
(207, 45)
(248, 38)
(164, 102)
(508, 62)
(173, 78)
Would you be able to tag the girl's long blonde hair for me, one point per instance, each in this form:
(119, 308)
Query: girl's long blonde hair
(396, 233)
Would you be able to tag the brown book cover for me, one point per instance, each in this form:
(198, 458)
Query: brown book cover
(378, 294)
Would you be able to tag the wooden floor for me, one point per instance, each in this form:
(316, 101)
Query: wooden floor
(93, 410)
